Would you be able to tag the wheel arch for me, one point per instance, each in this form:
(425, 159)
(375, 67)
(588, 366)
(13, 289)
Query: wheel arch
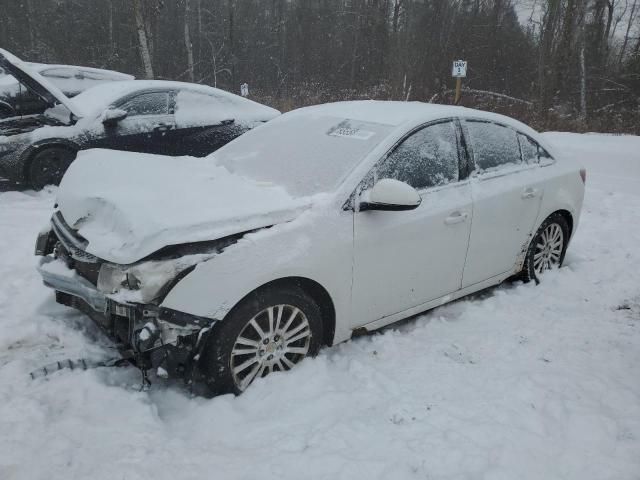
(570, 214)
(312, 288)
(6, 107)
(566, 214)
(29, 154)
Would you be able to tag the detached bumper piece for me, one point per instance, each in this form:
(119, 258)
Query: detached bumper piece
(149, 336)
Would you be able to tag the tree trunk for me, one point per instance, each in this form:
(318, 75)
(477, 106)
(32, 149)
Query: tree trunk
(199, 13)
(143, 40)
(566, 48)
(354, 51)
(112, 47)
(607, 30)
(187, 41)
(546, 49)
(632, 15)
(582, 67)
(31, 27)
(396, 14)
(231, 39)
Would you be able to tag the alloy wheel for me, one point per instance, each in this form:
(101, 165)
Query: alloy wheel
(273, 340)
(548, 250)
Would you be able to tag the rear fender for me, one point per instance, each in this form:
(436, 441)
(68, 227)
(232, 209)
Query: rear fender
(563, 192)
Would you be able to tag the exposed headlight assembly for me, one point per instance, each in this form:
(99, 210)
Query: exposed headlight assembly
(146, 280)
(111, 278)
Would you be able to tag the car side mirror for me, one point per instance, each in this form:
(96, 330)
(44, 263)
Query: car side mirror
(112, 116)
(388, 194)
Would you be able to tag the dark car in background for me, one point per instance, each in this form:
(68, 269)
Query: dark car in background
(148, 116)
(16, 99)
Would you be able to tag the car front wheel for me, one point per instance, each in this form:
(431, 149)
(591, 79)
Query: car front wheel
(547, 249)
(269, 331)
(47, 166)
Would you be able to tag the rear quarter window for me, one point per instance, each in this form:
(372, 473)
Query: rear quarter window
(532, 152)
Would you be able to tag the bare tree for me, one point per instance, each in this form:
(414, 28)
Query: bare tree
(187, 41)
(582, 64)
(630, 23)
(142, 28)
(576, 58)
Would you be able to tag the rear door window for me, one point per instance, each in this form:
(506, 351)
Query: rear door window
(494, 146)
(152, 103)
(427, 158)
(199, 109)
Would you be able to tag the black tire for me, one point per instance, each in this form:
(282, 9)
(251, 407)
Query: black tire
(47, 166)
(529, 268)
(216, 362)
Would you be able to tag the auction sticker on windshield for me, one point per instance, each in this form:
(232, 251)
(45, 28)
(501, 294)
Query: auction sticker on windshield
(351, 129)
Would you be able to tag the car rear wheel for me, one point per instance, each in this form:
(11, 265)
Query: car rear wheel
(547, 249)
(269, 331)
(47, 166)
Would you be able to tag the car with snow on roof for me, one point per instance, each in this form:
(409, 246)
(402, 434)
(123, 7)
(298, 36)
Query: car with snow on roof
(323, 222)
(150, 116)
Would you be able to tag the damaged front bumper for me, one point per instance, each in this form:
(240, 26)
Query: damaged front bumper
(149, 336)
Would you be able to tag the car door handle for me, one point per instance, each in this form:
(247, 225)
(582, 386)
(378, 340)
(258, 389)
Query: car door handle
(456, 217)
(161, 127)
(530, 193)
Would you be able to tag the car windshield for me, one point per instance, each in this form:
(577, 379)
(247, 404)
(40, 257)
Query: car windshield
(305, 154)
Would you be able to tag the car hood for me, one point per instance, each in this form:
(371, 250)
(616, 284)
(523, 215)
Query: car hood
(127, 206)
(35, 82)
(19, 125)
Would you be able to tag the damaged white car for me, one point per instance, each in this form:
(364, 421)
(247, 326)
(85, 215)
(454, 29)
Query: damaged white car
(325, 221)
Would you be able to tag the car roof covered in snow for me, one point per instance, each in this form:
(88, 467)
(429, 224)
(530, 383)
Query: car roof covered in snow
(395, 113)
(93, 100)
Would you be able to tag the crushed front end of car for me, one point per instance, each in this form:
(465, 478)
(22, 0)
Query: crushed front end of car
(124, 300)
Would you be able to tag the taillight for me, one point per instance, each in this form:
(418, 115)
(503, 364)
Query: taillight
(583, 175)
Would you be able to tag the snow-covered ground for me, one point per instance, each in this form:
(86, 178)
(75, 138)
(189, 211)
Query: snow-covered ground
(519, 382)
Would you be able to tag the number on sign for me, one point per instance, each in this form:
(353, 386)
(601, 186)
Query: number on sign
(459, 68)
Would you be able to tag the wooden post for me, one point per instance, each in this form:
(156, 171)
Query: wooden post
(458, 90)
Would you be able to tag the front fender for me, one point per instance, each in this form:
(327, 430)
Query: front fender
(214, 287)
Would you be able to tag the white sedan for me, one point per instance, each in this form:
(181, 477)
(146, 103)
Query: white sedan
(324, 221)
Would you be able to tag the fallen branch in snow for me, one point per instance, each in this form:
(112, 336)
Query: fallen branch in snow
(80, 364)
(484, 92)
(610, 105)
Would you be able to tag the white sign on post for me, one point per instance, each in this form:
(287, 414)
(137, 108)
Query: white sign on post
(459, 69)
(244, 89)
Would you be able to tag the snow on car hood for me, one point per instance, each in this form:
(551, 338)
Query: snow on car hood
(129, 205)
